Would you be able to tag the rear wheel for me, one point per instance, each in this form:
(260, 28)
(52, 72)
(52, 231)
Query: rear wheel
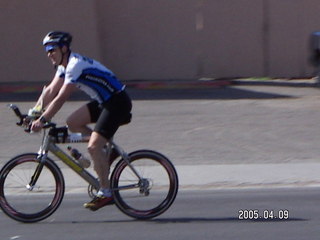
(153, 193)
(23, 202)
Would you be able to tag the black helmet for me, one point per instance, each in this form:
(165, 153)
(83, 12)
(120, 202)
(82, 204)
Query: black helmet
(58, 38)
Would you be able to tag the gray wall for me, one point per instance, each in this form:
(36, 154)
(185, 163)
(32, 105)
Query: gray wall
(163, 39)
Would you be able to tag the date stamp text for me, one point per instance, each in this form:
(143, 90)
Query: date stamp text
(255, 214)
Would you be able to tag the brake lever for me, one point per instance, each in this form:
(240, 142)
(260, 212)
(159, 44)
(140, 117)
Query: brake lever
(18, 113)
(15, 109)
(22, 117)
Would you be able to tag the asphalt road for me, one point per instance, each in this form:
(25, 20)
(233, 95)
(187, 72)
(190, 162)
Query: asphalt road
(195, 215)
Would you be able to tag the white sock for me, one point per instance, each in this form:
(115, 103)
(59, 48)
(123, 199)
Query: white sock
(105, 192)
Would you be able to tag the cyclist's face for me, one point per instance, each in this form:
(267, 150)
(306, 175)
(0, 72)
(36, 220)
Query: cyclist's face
(55, 55)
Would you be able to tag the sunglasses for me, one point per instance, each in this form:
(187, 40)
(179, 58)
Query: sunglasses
(49, 48)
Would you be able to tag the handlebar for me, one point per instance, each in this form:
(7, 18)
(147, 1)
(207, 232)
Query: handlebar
(60, 134)
(23, 117)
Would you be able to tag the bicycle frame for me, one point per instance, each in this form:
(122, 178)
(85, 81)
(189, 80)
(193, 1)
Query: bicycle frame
(49, 145)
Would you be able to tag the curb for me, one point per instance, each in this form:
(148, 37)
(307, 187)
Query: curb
(25, 87)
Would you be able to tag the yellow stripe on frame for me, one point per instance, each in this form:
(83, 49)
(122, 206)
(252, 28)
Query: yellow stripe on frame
(69, 162)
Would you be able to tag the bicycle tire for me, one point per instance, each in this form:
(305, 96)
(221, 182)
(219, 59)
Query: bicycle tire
(151, 201)
(30, 205)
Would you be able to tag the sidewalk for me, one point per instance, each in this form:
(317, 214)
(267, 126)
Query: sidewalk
(249, 176)
(209, 177)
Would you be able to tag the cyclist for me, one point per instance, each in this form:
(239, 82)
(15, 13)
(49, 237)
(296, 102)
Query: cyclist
(110, 108)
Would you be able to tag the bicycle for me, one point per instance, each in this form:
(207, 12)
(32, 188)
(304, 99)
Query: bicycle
(144, 183)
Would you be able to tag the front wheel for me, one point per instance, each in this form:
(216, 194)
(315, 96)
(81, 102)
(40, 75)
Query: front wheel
(30, 203)
(151, 194)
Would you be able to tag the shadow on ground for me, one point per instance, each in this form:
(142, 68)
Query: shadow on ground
(182, 220)
(224, 93)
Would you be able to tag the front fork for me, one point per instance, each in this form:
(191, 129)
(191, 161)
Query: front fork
(41, 158)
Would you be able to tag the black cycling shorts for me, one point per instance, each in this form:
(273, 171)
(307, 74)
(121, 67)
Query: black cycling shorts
(109, 116)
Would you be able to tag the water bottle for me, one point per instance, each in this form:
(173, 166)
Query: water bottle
(83, 161)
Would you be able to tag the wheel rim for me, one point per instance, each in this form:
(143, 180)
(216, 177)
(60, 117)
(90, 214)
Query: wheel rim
(146, 201)
(24, 204)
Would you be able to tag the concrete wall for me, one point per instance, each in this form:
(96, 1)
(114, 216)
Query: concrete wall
(163, 39)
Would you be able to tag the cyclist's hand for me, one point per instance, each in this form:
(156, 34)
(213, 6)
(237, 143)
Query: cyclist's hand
(30, 120)
(27, 120)
(36, 125)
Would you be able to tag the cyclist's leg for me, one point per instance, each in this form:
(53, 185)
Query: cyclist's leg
(101, 166)
(105, 128)
(78, 120)
(115, 113)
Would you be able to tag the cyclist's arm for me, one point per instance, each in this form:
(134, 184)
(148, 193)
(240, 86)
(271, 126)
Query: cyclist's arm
(50, 92)
(55, 105)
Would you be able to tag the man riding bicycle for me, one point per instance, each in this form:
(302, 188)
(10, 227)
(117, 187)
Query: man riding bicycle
(110, 108)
